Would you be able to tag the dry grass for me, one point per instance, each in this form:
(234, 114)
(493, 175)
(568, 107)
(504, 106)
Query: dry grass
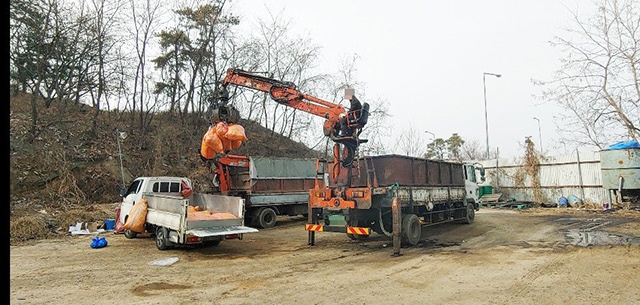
(44, 225)
(28, 228)
(529, 168)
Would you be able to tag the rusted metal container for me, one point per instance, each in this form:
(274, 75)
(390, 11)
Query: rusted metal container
(274, 175)
(273, 186)
(407, 171)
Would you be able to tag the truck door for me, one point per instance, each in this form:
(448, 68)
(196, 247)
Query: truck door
(130, 197)
(470, 182)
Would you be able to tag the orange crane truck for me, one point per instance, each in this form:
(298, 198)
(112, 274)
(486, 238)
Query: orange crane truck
(389, 194)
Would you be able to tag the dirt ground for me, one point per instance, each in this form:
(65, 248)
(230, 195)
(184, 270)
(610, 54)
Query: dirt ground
(505, 257)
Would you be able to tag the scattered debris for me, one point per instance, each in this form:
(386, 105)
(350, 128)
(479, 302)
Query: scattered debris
(86, 228)
(520, 205)
(164, 262)
(488, 198)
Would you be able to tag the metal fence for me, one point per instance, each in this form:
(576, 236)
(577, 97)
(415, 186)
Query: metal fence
(578, 174)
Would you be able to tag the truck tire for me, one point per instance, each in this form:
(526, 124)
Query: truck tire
(130, 234)
(411, 229)
(470, 215)
(265, 218)
(358, 223)
(162, 238)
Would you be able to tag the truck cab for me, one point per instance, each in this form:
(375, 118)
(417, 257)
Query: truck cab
(162, 184)
(473, 177)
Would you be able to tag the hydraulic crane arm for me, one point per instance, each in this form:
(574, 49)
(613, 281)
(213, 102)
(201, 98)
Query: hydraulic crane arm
(340, 125)
(284, 93)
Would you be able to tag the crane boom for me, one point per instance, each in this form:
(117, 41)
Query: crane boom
(284, 93)
(340, 125)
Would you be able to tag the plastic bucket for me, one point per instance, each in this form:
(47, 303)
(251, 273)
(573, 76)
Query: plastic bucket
(110, 224)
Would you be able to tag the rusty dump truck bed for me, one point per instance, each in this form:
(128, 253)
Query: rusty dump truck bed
(268, 175)
(407, 171)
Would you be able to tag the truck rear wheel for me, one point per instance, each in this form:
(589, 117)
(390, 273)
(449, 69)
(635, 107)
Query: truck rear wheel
(162, 238)
(411, 229)
(265, 218)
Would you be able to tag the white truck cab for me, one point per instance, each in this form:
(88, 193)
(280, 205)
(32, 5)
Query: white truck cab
(162, 184)
(472, 181)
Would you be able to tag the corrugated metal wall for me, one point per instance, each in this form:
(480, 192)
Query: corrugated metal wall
(577, 174)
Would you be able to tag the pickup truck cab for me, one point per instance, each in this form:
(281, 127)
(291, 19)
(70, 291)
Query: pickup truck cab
(164, 185)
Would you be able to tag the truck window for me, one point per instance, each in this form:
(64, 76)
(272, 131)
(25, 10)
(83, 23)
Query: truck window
(166, 187)
(471, 172)
(133, 188)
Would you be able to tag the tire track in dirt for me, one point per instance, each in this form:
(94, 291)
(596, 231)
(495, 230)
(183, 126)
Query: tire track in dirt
(528, 283)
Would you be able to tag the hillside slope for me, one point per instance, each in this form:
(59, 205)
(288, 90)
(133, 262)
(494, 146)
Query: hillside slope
(68, 169)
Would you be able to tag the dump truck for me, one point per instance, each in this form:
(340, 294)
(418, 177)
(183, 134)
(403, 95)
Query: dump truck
(393, 193)
(270, 186)
(180, 218)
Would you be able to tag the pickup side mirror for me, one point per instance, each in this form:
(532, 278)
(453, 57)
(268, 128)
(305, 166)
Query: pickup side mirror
(123, 191)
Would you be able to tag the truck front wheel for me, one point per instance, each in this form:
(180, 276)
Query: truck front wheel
(471, 213)
(265, 218)
(130, 234)
(411, 229)
(162, 238)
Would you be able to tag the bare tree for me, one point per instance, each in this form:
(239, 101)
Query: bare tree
(280, 55)
(144, 15)
(410, 142)
(51, 54)
(472, 150)
(106, 17)
(598, 83)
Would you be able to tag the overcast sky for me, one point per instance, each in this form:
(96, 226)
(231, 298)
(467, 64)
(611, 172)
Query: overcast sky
(427, 59)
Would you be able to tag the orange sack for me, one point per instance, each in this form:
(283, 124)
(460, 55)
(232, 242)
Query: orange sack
(236, 144)
(226, 144)
(212, 141)
(236, 133)
(137, 217)
(221, 129)
(206, 149)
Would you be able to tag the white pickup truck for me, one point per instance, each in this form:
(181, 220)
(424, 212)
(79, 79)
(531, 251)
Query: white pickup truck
(199, 219)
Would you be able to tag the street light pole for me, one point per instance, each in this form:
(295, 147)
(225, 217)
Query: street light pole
(486, 120)
(539, 133)
(431, 133)
(121, 135)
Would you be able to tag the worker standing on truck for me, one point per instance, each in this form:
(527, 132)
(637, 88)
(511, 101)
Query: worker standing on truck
(352, 116)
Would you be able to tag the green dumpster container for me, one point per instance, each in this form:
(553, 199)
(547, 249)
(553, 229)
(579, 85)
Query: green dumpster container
(485, 189)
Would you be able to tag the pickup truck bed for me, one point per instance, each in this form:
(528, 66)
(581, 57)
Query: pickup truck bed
(168, 218)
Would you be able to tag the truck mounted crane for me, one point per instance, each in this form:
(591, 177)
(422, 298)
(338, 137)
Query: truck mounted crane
(232, 172)
(394, 196)
(342, 126)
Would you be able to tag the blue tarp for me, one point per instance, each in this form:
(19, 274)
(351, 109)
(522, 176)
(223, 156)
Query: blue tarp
(624, 145)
